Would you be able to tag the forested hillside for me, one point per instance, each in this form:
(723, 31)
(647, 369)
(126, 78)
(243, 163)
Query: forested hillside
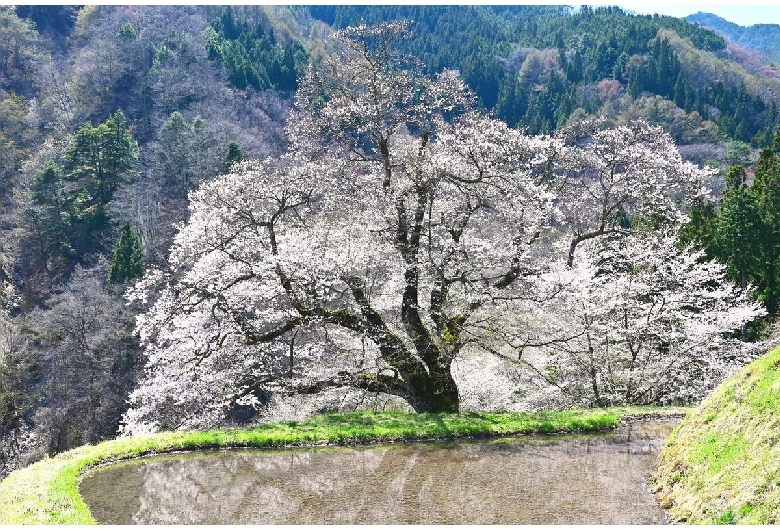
(764, 39)
(539, 66)
(112, 116)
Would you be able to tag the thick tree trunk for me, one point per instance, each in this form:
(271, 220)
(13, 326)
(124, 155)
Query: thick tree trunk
(424, 380)
(434, 393)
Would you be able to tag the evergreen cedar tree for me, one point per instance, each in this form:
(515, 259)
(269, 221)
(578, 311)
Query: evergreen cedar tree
(234, 154)
(66, 216)
(128, 262)
(743, 229)
(103, 156)
(406, 231)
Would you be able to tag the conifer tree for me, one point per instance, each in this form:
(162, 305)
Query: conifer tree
(679, 90)
(49, 216)
(234, 154)
(128, 257)
(634, 84)
(699, 231)
(766, 188)
(103, 156)
(737, 233)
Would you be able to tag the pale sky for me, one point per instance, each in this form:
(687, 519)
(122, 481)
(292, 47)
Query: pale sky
(757, 12)
(744, 15)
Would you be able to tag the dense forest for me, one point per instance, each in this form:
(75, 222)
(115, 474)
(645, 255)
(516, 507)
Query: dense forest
(112, 116)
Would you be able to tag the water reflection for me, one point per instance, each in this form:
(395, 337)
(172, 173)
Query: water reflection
(561, 480)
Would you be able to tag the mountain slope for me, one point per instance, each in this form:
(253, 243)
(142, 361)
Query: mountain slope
(764, 39)
(539, 67)
(195, 81)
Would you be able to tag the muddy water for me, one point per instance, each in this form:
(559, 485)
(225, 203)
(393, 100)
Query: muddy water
(580, 479)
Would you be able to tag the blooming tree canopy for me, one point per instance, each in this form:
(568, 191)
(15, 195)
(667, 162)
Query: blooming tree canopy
(645, 321)
(403, 227)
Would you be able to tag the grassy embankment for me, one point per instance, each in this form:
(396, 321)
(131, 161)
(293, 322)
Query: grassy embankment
(47, 491)
(722, 463)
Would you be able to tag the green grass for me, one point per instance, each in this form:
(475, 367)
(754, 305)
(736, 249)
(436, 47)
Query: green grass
(47, 491)
(722, 463)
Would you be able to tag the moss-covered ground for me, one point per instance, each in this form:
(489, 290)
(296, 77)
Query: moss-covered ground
(722, 463)
(47, 491)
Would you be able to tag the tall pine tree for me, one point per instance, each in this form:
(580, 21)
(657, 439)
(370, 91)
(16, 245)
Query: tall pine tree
(103, 156)
(48, 217)
(128, 257)
(737, 235)
(234, 154)
(766, 188)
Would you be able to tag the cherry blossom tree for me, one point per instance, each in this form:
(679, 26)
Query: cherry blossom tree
(380, 243)
(402, 228)
(646, 321)
(632, 318)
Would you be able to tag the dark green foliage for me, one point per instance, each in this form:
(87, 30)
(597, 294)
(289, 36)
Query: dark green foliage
(738, 153)
(127, 32)
(182, 151)
(51, 213)
(699, 230)
(128, 260)
(250, 55)
(234, 154)
(742, 116)
(737, 235)
(65, 218)
(744, 233)
(766, 188)
(489, 45)
(47, 187)
(64, 224)
(102, 157)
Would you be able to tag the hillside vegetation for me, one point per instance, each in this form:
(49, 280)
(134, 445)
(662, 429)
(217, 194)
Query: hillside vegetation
(111, 117)
(722, 464)
(540, 66)
(764, 39)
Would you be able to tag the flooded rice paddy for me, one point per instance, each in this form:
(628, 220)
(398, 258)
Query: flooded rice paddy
(570, 479)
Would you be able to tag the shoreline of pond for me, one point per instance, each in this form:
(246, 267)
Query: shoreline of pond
(603, 474)
(47, 492)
